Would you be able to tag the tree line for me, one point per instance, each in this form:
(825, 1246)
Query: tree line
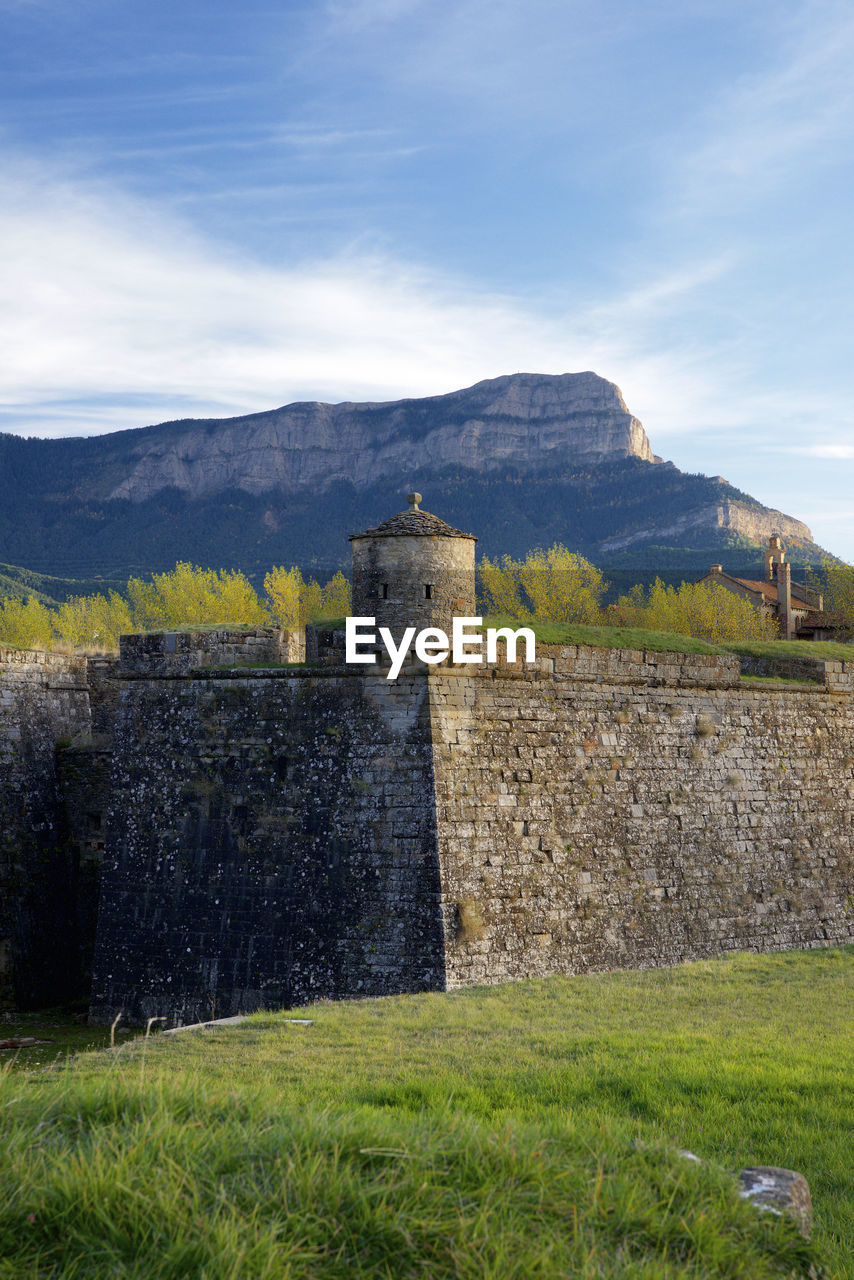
(554, 585)
(186, 596)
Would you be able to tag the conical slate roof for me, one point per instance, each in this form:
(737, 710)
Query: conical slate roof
(413, 523)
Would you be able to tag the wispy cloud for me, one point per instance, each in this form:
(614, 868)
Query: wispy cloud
(831, 451)
(113, 314)
(358, 14)
(775, 123)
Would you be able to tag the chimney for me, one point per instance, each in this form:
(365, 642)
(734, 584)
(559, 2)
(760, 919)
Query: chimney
(716, 568)
(784, 600)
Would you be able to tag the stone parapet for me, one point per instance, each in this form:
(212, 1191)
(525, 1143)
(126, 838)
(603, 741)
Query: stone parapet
(839, 677)
(154, 653)
(622, 822)
(272, 841)
(637, 666)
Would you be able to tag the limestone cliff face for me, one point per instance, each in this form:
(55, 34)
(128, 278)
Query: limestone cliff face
(756, 523)
(536, 421)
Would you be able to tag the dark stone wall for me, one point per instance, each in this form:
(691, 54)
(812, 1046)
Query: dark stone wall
(179, 652)
(271, 841)
(83, 771)
(44, 702)
(281, 836)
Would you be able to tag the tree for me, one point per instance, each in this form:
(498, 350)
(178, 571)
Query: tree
(836, 582)
(94, 621)
(292, 601)
(26, 624)
(190, 595)
(555, 585)
(285, 589)
(705, 610)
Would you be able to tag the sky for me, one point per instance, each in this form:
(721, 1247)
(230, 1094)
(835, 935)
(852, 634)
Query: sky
(209, 209)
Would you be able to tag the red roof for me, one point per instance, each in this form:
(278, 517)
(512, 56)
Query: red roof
(766, 589)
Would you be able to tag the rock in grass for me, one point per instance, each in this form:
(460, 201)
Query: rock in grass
(779, 1191)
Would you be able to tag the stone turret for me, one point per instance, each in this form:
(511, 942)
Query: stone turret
(413, 570)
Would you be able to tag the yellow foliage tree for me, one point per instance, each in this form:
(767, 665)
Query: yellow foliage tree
(705, 610)
(555, 585)
(285, 589)
(26, 625)
(94, 621)
(189, 595)
(335, 599)
(186, 596)
(292, 601)
(837, 585)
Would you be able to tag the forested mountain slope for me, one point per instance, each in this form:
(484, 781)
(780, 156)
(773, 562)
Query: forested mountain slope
(522, 460)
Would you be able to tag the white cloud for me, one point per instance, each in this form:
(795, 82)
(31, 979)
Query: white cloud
(115, 315)
(831, 451)
(112, 314)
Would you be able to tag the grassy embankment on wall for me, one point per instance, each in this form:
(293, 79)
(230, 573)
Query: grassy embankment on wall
(522, 1131)
(670, 642)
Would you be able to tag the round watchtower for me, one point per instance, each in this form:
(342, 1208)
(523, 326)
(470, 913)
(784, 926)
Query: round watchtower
(413, 570)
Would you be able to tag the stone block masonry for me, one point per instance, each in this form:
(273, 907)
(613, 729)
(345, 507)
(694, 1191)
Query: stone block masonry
(271, 841)
(592, 816)
(277, 836)
(179, 652)
(44, 701)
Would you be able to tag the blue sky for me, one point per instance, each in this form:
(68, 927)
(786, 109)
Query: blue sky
(212, 209)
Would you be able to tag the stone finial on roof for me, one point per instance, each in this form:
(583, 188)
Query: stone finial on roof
(414, 499)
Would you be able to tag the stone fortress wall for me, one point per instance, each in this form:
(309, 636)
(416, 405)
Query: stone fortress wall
(277, 836)
(44, 705)
(610, 809)
(263, 834)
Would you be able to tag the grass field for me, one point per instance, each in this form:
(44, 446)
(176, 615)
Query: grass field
(521, 1131)
(667, 641)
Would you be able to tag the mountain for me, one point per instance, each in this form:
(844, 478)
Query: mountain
(521, 460)
(23, 584)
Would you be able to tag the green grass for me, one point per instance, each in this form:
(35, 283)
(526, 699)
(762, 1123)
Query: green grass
(787, 681)
(821, 650)
(608, 637)
(59, 1033)
(505, 1132)
(667, 641)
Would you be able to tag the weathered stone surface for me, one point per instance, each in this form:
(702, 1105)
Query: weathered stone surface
(611, 819)
(524, 418)
(44, 698)
(779, 1191)
(278, 836)
(426, 580)
(272, 841)
(177, 652)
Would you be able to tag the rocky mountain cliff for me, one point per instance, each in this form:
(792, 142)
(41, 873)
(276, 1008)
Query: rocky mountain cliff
(523, 460)
(527, 420)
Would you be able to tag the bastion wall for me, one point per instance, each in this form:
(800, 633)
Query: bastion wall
(610, 809)
(44, 705)
(272, 834)
(272, 840)
(281, 835)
